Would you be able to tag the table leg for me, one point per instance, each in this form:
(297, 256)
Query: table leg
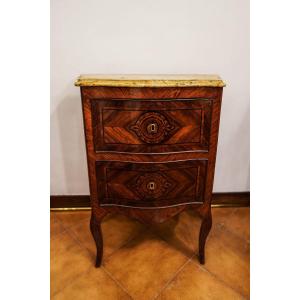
(95, 227)
(204, 231)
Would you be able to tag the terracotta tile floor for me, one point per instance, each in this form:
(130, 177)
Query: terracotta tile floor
(144, 263)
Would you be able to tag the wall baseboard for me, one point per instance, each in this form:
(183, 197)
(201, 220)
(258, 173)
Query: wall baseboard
(82, 202)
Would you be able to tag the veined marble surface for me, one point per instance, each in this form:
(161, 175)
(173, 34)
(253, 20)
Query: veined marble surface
(147, 80)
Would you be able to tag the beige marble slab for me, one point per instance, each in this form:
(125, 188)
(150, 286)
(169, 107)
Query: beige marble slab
(139, 80)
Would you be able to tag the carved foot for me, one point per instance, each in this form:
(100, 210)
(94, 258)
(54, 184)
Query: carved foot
(95, 226)
(204, 231)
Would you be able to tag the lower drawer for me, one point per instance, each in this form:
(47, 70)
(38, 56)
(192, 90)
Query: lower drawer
(150, 184)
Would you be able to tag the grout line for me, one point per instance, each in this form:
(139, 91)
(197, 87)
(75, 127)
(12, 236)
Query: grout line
(174, 247)
(70, 282)
(70, 232)
(125, 243)
(57, 235)
(172, 278)
(225, 229)
(235, 234)
(78, 242)
(74, 236)
(229, 216)
(202, 267)
(228, 230)
(79, 276)
(60, 223)
(222, 226)
(116, 281)
(170, 245)
(148, 229)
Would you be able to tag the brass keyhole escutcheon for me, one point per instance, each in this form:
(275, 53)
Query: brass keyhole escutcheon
(151, 185)
(152, 128)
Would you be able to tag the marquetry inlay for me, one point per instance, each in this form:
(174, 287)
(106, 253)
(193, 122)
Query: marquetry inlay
(153, 127)
(151, 144)
(151, 185)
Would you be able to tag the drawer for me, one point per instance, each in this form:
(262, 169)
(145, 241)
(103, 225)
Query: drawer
(151, 126)
(150, 184)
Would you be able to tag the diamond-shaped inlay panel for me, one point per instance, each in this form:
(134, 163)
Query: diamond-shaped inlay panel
(151, 185)
(153, 127)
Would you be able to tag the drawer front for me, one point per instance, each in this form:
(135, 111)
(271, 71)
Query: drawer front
(151, 126)
(150, 184)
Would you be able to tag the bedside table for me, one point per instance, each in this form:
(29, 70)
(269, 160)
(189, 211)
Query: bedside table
(151, 143)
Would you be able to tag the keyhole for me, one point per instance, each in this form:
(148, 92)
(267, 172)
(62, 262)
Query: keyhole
(151, 185)
(152, 128)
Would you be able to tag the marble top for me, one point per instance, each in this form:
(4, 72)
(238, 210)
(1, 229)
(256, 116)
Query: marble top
(147, 80)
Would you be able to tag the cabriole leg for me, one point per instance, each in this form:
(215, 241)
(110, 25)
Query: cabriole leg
(95, 227)
(204, 231)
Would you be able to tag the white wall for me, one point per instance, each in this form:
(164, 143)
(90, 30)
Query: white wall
(143, 36)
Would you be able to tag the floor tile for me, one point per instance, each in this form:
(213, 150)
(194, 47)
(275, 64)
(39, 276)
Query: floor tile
(95, 284)
(227, 257)
(239, 222)
(116, 230)
(194, 283)
(220, 215)
(67, 261)
(53, 216)
(182, 232)
(144, 265)
(55, 225)
(71, 218)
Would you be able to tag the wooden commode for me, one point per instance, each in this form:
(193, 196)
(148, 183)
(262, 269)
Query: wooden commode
(151, 145)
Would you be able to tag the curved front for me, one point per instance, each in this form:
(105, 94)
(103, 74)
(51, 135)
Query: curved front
(151, 126)
(150, 185)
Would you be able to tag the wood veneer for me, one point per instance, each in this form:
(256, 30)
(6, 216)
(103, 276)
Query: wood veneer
(82, 202)
(151, 152)
(150, 184)
(123, 125)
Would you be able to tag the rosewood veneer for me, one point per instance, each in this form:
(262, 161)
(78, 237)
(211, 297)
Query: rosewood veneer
(151, 144)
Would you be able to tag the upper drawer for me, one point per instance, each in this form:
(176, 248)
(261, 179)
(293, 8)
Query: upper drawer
(151, 126)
